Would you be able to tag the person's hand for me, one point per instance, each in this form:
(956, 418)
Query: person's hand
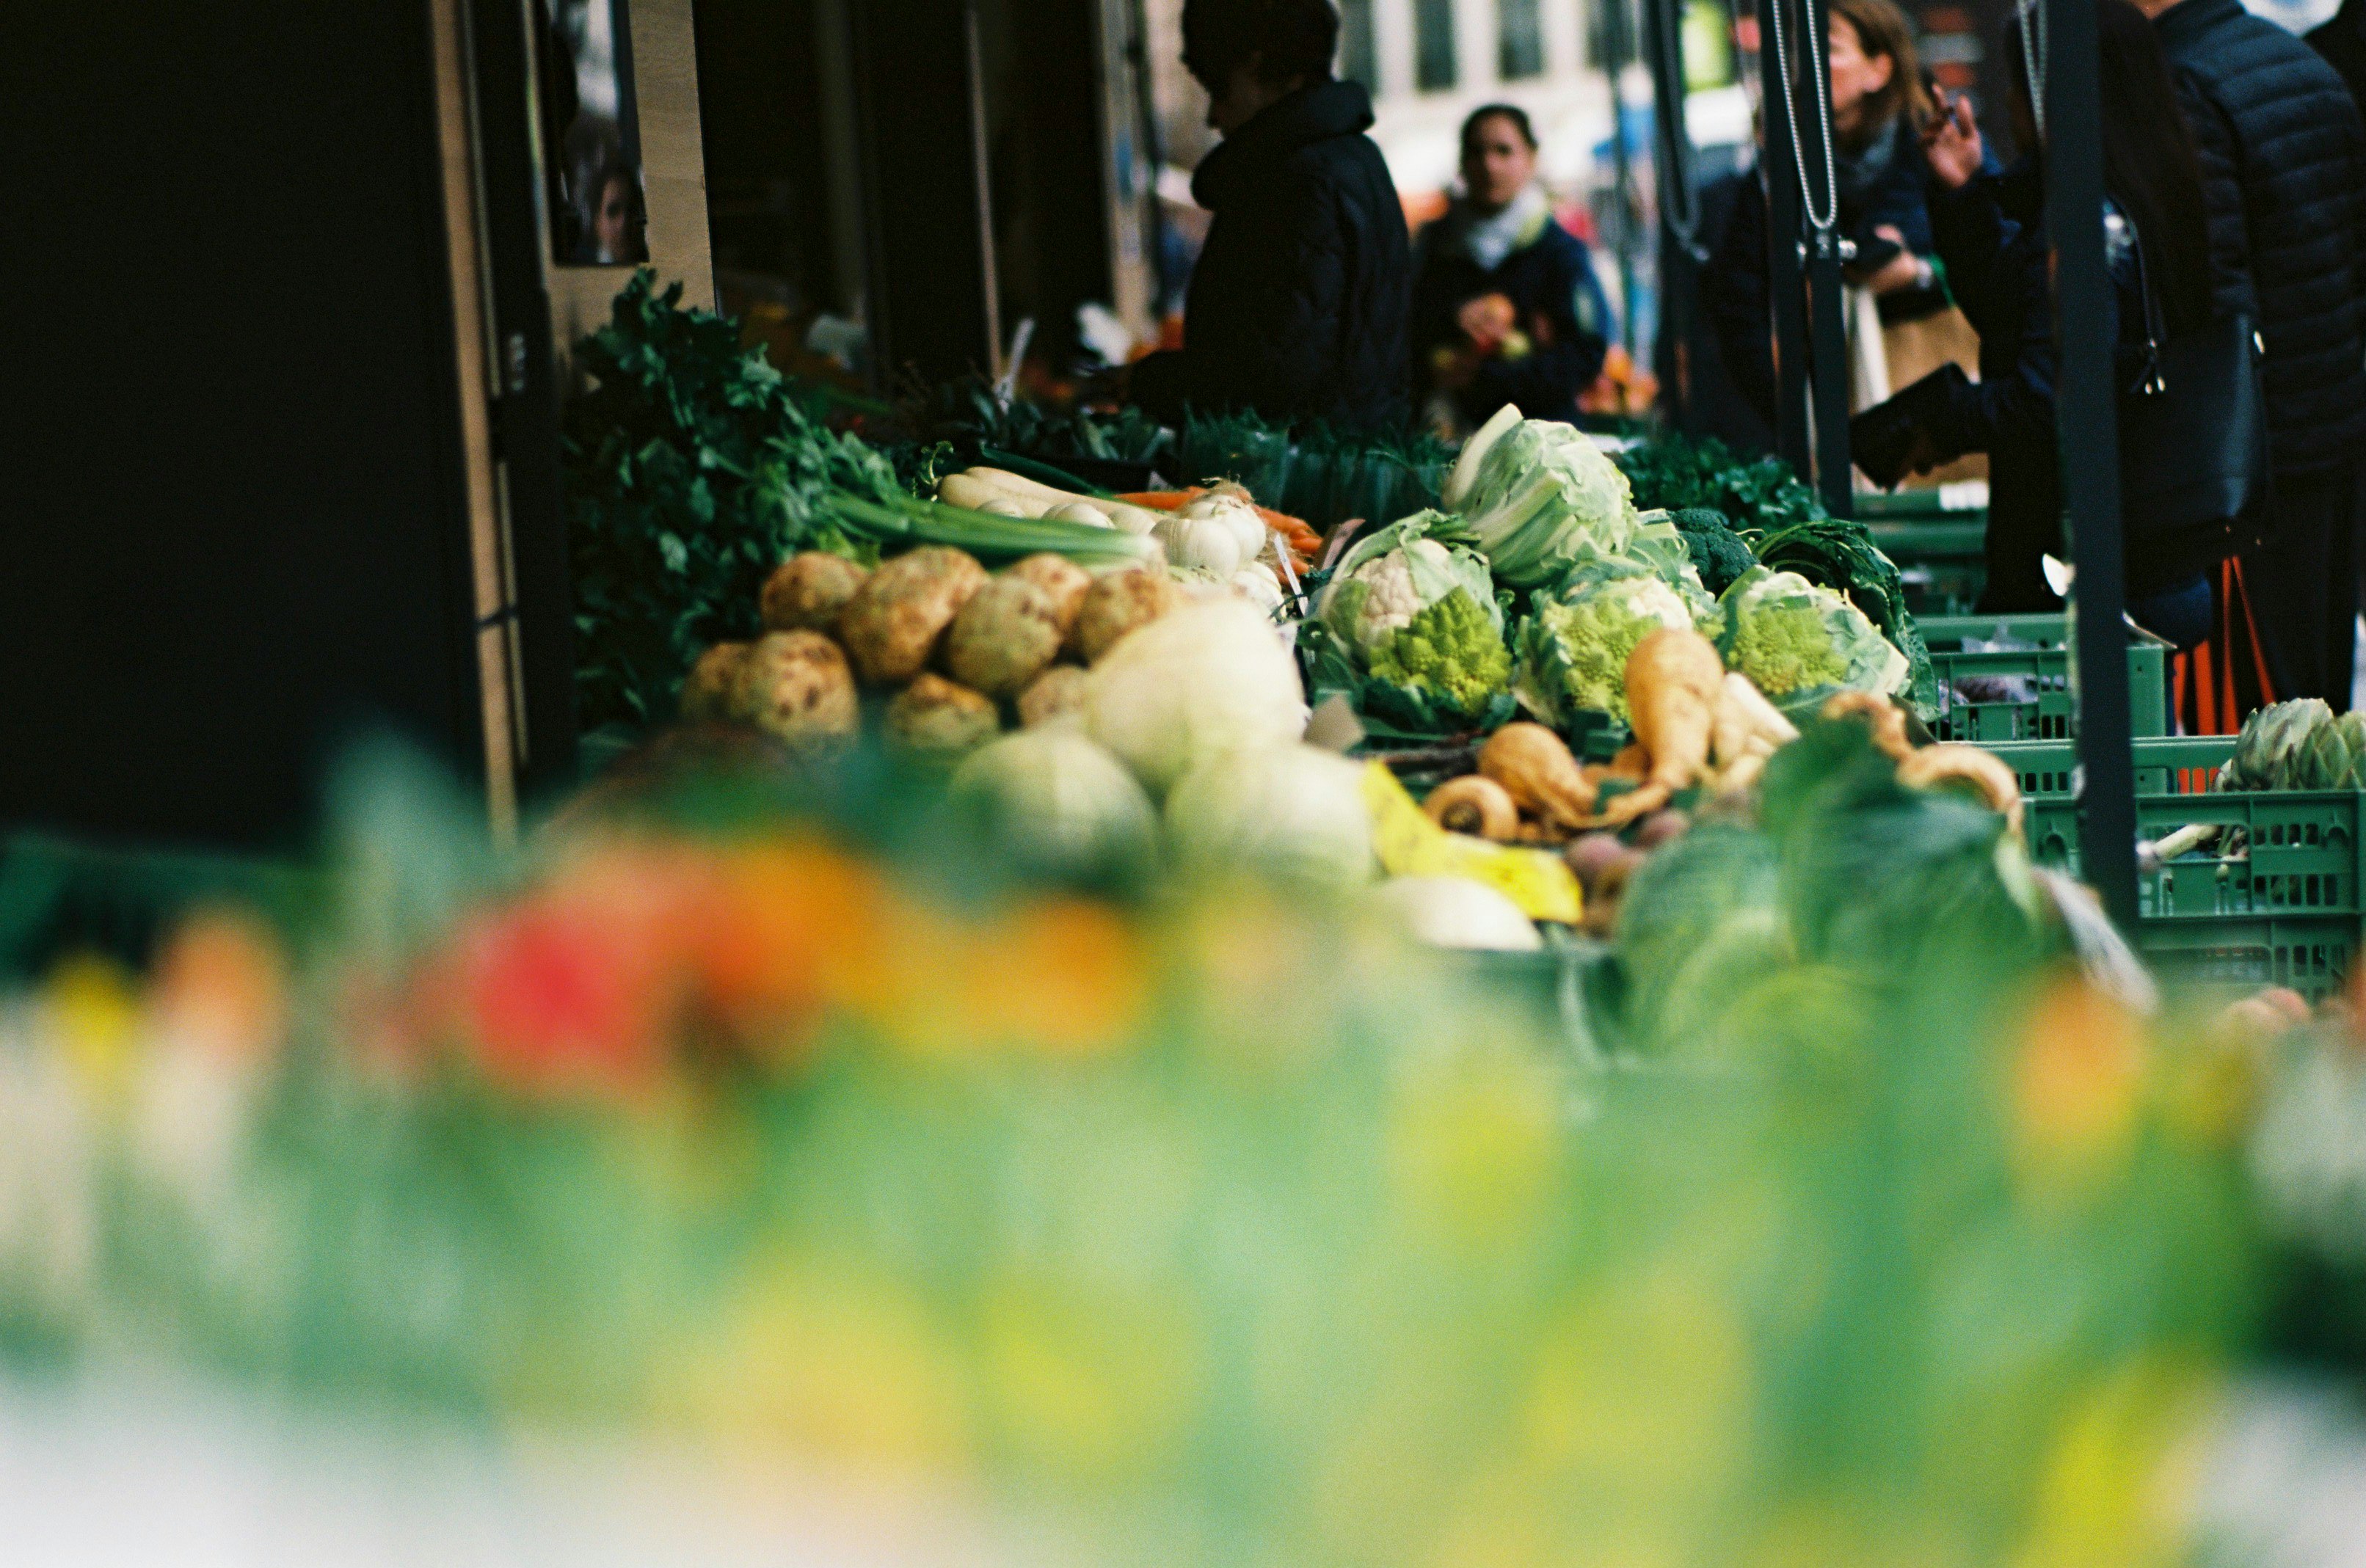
(1904, 270)
(1888, 441)
(1951, 142)
(1487, 322)
(1912, 453)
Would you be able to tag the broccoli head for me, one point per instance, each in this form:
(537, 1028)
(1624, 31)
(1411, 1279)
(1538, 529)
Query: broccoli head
(1451, 649)
(1717, 551)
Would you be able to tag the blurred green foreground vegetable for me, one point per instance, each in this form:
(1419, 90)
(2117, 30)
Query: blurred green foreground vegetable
(1222, 1227)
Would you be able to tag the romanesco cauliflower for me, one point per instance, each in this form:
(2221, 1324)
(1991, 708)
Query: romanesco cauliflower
(1573, 652)
(1451, 649)
(1420, 613)
(1785, 649)
(1792, 636)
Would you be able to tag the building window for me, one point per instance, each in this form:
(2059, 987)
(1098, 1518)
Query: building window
(1433, 66)
(1360, 55)
(1520, 48)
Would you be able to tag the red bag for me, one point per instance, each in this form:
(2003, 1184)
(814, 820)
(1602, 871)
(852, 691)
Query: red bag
(2225, 680)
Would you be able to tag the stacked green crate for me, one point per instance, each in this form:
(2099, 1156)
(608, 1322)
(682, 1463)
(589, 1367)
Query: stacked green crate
(2031, 697)
(2274, 894)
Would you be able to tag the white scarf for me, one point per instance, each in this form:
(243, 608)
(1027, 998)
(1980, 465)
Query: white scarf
(1487, 240)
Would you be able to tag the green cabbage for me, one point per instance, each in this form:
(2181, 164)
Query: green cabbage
(1540, 498)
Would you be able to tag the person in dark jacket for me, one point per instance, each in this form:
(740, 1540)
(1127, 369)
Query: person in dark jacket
(2342, 41)
(2284, 160)
(1297, 309)
(1878, 104)
(1990, 229)
(1505, 305)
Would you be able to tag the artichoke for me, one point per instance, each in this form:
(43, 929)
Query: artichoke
(2269, 754)
(2333, 757)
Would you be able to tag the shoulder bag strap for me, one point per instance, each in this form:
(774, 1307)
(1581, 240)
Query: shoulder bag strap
(2156, 326)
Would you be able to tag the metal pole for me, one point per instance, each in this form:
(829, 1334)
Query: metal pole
(1154, 154)
(1618, 25)
(1786, 299)
(1828, 358)
(2086, 406)
(1680, 252)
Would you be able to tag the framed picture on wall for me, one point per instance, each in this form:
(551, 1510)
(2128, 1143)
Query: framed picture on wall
(590, 134)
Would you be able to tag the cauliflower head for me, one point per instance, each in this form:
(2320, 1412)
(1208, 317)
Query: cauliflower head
(1573, 651)
(1381, 597)
(1791, 636)
(1396, 574)
(1452, 649)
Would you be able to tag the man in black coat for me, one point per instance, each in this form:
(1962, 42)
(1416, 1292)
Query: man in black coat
(1298, 305)
(2283, 163)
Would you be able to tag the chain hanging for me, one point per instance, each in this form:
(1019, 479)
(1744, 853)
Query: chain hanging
(1680, 198)
(1822, 222)
(2032, 57)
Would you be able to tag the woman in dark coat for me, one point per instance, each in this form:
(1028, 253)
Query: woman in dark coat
(1878, 104)
(1505, 305)
(1297, 307)
(1991, 236)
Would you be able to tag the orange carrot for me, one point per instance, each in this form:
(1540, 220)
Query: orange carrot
(1303, 541)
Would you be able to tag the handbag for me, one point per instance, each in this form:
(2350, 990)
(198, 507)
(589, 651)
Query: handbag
(2193, 440)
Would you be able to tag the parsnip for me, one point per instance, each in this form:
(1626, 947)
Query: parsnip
(1886, 719)
(1537, 770)
(977, 495)
(1983, 772)
(1673, 678)
(1474, 804)
(1746, 726)
(1003, 478)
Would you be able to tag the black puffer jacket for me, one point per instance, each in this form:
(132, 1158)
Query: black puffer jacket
(1299, 305)
(2284, 166)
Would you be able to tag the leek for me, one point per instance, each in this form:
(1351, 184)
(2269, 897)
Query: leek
(987, 536)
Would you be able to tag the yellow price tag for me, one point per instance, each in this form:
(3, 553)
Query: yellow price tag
(1410, 844)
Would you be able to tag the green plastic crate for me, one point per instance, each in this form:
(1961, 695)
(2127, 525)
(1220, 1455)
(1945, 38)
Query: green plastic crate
(1942, 557)
(2049, 713)
(2287, 910)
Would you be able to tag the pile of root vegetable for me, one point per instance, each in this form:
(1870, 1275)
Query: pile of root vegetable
(1702, 737)
(953, 654)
